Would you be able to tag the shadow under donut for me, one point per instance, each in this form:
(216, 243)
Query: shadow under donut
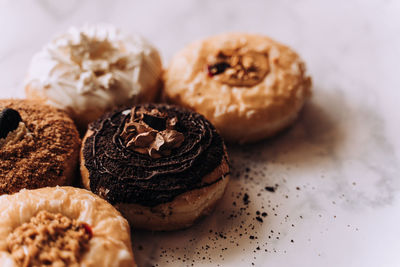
(315, 133)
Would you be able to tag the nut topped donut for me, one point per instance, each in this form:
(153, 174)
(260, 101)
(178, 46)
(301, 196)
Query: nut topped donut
(93, 69)
(249, 86)
(39, 146)
(62, 226)
(162, 166)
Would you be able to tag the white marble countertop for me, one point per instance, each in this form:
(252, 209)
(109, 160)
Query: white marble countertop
(337, 169)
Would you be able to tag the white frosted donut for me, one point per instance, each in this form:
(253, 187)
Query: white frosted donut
(90, 70)
(108, 243)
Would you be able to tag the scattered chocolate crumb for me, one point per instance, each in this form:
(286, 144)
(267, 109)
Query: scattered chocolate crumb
(246, 199)
(245, 228)
(270, 189)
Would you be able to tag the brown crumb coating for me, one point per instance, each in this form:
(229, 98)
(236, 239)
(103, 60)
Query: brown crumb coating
(49, 239)
(40, 159)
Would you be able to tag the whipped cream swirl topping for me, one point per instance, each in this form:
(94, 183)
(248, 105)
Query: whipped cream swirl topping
(151, 132)
(98, 58)
(94, 69)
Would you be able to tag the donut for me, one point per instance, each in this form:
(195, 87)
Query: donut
(39, 146)
(249, 86)
(62, 226)
(163, 167)
(90, 70)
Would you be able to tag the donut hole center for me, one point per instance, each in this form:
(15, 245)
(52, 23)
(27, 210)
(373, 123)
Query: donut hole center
(49, 239)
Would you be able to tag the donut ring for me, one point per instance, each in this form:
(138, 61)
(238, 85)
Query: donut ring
(109, 244)
(153, 190)
(249, 86)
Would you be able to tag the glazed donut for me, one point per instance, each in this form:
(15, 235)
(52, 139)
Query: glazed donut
(249, 86)
(62, 226)
(162, 166)
(39, 146)
(93, 69)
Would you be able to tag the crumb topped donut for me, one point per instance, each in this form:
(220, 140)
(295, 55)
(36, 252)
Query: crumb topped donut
(90, 70)
(249, 86)
(62, 226)
(162, 166)
(39, 146)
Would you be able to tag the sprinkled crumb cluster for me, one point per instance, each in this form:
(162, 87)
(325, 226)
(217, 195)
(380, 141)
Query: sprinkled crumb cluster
(49, 239)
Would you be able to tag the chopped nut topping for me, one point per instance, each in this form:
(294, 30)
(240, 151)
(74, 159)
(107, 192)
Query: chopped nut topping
(239, 68)
(49, 239)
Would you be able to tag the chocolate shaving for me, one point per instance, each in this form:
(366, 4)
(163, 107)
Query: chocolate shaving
(151, 133)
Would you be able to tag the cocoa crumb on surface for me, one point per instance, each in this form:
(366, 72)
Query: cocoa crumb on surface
(246, 199)
(270, 189)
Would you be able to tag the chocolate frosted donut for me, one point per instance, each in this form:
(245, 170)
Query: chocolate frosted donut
(151, 160)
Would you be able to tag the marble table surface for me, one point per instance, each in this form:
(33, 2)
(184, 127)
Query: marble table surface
(326, 192)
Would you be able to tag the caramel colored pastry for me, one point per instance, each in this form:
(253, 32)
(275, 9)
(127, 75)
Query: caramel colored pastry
(39, 146)
(93, 69)
(62, 226)
(249, 86)
(162, 166)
